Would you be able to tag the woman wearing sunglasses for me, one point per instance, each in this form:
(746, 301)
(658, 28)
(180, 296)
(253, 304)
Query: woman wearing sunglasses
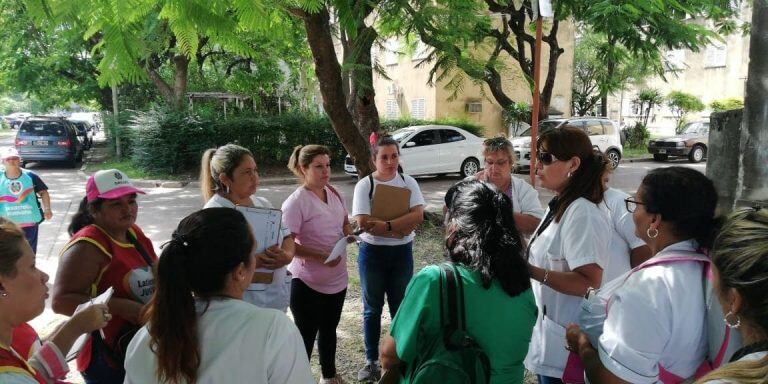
(499, 160)
(655, 327)
(567, 251)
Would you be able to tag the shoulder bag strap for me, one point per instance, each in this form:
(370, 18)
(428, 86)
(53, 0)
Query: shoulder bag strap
(140, 249)
(335, 192)
(370, 191)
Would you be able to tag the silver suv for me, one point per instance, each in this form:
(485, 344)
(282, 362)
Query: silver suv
(604, 133)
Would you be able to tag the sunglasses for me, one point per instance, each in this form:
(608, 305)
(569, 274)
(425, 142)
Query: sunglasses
(546, 158)
(497, 143)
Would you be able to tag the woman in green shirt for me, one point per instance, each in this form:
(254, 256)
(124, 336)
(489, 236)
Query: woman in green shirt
(482, 241)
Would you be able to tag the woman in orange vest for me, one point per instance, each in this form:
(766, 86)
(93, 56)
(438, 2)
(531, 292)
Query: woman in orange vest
(107, 249)
(23, 357)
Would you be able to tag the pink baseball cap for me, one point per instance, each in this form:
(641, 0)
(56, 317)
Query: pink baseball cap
(109, 184)
(10, 152)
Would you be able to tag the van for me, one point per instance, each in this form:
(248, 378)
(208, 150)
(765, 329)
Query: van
(43, 138)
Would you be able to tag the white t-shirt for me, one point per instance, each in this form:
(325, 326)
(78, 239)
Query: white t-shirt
(623, 238)
(239, 343)
(580, 238)
(751, 357)
(277, 294)
(657, 317)
(361, 205)
(525, 198)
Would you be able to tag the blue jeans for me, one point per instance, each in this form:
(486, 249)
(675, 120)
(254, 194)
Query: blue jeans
(549, 380)
(99, 371)
(384, 270)
(31, 234)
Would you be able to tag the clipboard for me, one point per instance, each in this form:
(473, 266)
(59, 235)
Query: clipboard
(390, 202)
(265, 226)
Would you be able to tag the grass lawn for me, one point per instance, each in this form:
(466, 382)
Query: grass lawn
(630, 153)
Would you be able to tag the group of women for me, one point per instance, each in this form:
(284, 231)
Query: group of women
(524, 271)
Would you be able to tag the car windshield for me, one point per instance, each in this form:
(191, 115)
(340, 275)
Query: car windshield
(543, 127)
(401, 133)
(43, 128)
(696, 128)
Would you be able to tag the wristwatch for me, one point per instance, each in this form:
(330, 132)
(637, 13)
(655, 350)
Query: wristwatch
(389, 226)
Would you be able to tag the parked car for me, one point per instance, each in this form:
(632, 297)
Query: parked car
(692, 143)
(433, 150)
(84, 133)
(15, 119)
(42, 138)
(604, 134)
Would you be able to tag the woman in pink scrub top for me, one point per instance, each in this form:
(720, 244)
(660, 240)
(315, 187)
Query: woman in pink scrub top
(317, 216)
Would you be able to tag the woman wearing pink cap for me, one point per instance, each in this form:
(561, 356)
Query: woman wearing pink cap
(107, 249)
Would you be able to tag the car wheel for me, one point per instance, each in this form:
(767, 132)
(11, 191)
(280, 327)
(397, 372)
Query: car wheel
(469, 167)
(658, 157)
(697, 154)
(614, 157)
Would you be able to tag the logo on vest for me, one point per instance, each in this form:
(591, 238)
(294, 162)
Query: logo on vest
(16, 187)
(140, 283)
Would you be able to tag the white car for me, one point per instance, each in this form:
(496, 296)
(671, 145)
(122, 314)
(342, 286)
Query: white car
(604, 134)
(433, 150)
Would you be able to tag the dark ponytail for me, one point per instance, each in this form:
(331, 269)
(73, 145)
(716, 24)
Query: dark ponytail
(206, 247)
(483, 237)
(82, 218)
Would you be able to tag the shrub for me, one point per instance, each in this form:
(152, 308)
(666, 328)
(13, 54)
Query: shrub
(726, 104)
(172, 142)
(389, 126)
(637, 136)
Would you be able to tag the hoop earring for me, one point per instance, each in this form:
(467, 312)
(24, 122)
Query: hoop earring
(730, 324)
(652, 232)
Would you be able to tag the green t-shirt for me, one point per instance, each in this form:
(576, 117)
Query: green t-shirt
(501, 324)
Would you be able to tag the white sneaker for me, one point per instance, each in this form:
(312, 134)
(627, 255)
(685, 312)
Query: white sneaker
(334, 380)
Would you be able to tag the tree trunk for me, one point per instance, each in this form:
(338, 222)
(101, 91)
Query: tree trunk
(361, 102)
(181, 65)
(328, 72)
(549, 84)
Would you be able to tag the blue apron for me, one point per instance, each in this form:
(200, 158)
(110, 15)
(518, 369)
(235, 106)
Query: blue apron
(18, 201)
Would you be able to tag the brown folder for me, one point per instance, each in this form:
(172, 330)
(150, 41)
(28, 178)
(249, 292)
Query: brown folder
(390, 202)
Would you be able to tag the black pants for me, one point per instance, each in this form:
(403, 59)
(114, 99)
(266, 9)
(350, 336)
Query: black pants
(317, 314)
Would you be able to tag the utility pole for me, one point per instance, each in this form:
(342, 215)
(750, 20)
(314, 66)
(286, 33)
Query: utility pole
(753, 162)
(118, 152)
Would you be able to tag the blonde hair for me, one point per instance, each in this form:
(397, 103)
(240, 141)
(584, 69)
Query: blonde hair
(11, 246)
(740, 254)
(216, 161)
(303, 155)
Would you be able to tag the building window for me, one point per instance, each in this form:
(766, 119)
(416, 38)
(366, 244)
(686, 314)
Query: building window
(474, 107)
(674, 60)
(716, 56)
(392, 109)
(418, 108)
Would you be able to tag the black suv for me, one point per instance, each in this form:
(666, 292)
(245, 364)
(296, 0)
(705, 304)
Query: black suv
(45, 138)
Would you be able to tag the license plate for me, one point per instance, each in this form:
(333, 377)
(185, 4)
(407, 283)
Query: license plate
(42, 142)
(662, 151)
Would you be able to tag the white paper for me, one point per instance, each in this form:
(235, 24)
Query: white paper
(339, 249)
(80, 342)
(265, 226)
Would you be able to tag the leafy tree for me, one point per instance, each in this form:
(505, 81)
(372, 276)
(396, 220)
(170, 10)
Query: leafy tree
(646, 101)
(592, 82)
(681, 103)
(50, 64)
(515, 114)
(726, 104)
